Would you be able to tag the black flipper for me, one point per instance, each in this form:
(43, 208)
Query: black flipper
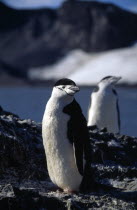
(78, 133)
(118, 111)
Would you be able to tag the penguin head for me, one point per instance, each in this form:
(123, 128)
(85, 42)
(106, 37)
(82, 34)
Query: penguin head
(65, 87)
(109, 81)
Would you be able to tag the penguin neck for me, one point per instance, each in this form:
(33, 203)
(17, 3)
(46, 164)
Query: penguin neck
(106, 87)
(61, 100)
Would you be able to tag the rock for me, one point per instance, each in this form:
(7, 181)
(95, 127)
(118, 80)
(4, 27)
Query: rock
(21, 147)
(41, 37)
(24, 180)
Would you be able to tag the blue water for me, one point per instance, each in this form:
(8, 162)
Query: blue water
(29, 103)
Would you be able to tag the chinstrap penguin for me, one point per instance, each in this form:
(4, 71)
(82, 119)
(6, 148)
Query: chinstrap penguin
(104, 109)
(65, 137)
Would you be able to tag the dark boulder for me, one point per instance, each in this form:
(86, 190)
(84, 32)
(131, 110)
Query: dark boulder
(21, 149)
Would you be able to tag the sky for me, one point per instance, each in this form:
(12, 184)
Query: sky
(27, 4)
(125, 4)
(130, 5)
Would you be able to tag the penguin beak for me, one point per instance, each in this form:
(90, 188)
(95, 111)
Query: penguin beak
(74, 88)
(115, 79)
(118, 78)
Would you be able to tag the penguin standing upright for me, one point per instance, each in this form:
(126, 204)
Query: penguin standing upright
(65, 136)
(104, 110)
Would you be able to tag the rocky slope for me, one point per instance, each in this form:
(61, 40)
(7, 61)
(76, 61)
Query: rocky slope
(34, 38)
(24, 181)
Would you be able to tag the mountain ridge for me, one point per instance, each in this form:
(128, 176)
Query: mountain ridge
(32, 38)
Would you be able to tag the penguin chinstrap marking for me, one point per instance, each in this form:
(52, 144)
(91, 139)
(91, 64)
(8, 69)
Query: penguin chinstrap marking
(64, 131)
(104, 109)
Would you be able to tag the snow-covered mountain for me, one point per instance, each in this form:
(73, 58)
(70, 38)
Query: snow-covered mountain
(30, 39)
(122, 62)
(88, 69)
(63, 68)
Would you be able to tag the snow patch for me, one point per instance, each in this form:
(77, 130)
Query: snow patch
(89, 69)
(61, 69)
(121, 62)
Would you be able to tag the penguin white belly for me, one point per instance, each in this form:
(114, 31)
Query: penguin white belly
(59, 151)
(103, 112)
